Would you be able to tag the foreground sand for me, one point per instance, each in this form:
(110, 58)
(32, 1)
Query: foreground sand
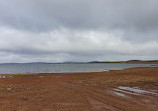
(134, 89)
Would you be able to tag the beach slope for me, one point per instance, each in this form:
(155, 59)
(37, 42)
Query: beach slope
(134, 89)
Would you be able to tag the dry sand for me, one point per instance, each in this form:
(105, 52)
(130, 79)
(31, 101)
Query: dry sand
(134, 89)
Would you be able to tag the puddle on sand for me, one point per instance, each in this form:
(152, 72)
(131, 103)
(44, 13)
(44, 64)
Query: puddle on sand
(6, 77)
(136, 90)
(126, 92)
(51, 76)
(123, 91)
(120, 94)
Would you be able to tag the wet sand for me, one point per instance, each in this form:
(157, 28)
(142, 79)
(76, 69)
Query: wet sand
(134, 89)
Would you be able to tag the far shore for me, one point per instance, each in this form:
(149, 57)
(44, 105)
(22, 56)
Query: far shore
(125, 62)
(133, 89)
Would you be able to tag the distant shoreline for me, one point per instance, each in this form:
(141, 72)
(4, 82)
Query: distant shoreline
(129, 62)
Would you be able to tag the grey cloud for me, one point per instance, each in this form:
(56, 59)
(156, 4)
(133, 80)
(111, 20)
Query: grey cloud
(78, 30)
(49, 14)
(71, 41)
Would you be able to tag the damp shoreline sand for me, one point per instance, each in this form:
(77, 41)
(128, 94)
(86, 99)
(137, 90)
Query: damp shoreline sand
(133, 89)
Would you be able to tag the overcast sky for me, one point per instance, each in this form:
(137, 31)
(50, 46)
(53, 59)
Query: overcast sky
(78, 30)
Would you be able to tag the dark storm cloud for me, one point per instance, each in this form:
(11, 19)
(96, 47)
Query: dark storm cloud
(39, 30)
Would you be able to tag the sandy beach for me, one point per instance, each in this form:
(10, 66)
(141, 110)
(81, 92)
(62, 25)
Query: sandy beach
(134, 89)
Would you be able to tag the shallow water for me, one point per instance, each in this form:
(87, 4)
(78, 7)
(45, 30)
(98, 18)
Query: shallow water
(6, 77)
(120, 94)
(126, 92)
(136, 90)
(62, 68)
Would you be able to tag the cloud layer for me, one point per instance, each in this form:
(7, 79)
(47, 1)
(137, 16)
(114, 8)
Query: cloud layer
(80, 30)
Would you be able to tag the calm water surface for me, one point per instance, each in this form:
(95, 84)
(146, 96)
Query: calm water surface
(62, 68)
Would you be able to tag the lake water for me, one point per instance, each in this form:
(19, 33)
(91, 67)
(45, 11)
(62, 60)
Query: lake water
(62, 68)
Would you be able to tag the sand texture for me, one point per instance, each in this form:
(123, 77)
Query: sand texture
(134, 89)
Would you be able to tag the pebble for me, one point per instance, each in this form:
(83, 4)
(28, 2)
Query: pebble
(9, 89)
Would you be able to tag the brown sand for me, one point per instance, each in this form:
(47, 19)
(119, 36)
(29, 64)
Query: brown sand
(102, 91)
